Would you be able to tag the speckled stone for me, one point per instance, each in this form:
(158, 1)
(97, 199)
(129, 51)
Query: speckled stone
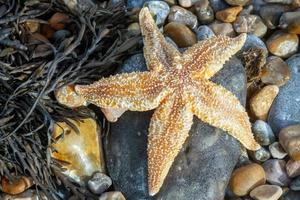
(159, 9)
(277, 151)
(260, 155)
(289, 114)
(290, 21)
(180, 34)
(295, 184)
(289, 138)
(271, 13)
(220, 28)
(204, 32)
(275, 71)
(293, 168)
(275, 172)
(245, 178)
(263, 133)
(99, 183)
(201, 170)
(229, 14)
(252, 24)
(266, 192)
(283, 44)
(183, 16)
(204, 12)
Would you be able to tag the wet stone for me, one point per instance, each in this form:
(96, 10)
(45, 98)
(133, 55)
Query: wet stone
(289, 138)
(204, 32)
(260, 155)
(183, 16)
(275, 71)
(180, 34)
(293, 168)
(204, 12)
(277, 151)
(275, 172)
(263, 133)
(229, 15)
(99, 183)
(220, 28)
(201, 170)
(159, 9)
(295, 184)
(266, 192)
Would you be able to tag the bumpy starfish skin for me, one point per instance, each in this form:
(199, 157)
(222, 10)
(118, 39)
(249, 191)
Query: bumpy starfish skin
(178, 86)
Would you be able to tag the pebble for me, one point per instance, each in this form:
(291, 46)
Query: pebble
(17, 185)
(295, 184)
(99, 183)
(218, 5)
(204, 32)
(244, 158)
(260, 155)
(252, 24)
(74, 147)
(134, 29)
(253, 42)
(293, 168)
(275, 172)
(266, 192)
(58, 20)
(246, 178)
(289, 114)
(290, 21)
(291, 195)
(32, 26)
(271, 13)
(60, 35)
(261, 102)
(289, 138)
(67, 96)
(27, 195)
(187, 3)
(180, 34)
(220, 28)
(229, 15)
(171, 2)
(263, 133)
(277, 151)
(112, 196)
(183, 16)
(279, 1)
(159, 9)
(204, 12)
(283, 44)
(275, 71)
(237, 2)
(135, 3)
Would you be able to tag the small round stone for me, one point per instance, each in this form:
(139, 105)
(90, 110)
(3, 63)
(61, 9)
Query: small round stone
(183, 16)
(99, 183)
(204, 12)
(245, 178)
(252, 24)
(261, 155)
(283, 44)
(180, 34)
(187, 3)
(16, 186)
(275, 172)
(220, 28)
(204, 32)
(266, 192)
(290, 21)
(295, 184)
(229, 14)
(275, 71)
(134, 29)
(112, 196)
(261, 102)
(277, 151)
(237, 2)
(263, 133)
(289, 139)
(293, 168)
(159, 9)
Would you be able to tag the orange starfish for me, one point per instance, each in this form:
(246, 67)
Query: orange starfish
(178, 86)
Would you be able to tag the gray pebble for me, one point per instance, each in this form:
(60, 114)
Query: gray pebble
(204, 32)
(263, 133)
(159, 9)
(276, 173)
(183, 16)
(261, 155)
(99, 183)
(277, 151)
(295, 184)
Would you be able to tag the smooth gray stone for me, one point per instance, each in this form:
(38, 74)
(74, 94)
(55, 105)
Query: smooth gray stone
(285, 109)
(263, 133)
(202, 169)
(204, 32)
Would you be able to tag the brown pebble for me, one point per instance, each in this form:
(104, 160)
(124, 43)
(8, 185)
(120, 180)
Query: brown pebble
(245, 178)
(293, 168)
(266, 192)
(17, 186)
(58, 21)
(229, 14)
(289, 139)
(220, 28)
(260, 103)
(180, 34)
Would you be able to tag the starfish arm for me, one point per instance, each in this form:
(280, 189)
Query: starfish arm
(130, 91)
(206, 58)
(158, 53)
(168, 130)
(218, 107)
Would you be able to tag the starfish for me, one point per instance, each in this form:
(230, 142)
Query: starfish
(178, 86)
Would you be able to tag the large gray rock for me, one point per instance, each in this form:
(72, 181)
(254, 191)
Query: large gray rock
(285, 109)
(201, 170)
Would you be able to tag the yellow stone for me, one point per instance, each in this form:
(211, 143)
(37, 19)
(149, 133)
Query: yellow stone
(229, 15)
(80, 153)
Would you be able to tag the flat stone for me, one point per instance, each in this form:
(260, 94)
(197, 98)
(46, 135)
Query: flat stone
(245, 178)
(293, 168)
(17, 185)
(277, 151)
(27, 195)
(183, 16)
(99, 183)
(263, 133)
(159, 9)
(289, 114)
(261, 102)
(276, 172)
(289, 138)
(180, 34)
(266, 192)
(200, 171)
